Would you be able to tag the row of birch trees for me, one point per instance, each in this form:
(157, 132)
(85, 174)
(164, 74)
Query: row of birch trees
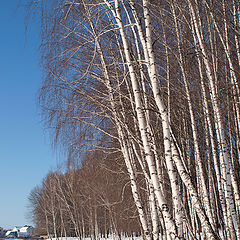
(160, 79)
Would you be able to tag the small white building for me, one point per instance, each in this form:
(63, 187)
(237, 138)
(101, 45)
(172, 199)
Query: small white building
(22, 232)
(26, 231)
(11, 234)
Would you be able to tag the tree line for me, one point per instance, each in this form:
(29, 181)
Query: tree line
(89, 201)
(157, 83)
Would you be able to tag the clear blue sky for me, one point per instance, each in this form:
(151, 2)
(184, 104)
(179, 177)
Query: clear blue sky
(25, 153)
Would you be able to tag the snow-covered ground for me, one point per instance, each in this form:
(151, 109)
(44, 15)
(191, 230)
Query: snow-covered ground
(87, 238)
(101, 238)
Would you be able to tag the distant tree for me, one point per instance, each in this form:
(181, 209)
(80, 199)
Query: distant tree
(91, 199)
(2, 232)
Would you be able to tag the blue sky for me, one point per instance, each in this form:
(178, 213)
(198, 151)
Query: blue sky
(25, 152)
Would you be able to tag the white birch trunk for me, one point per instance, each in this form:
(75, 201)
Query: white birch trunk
(152, 201)
(207, 117)
(199, 166)
(170, 226)
(147, 44)
(166, 130)
(135, 193)
(224, 158)
(136, 196)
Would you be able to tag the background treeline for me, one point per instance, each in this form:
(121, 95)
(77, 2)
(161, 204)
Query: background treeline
(160, 80)
(90, 200)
